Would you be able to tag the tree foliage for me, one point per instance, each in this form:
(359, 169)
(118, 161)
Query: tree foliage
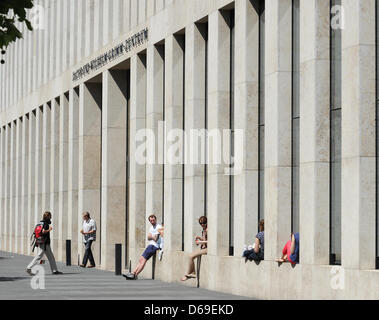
(11, 12)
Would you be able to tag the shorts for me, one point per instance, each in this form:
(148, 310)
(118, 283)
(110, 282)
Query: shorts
(149, 252)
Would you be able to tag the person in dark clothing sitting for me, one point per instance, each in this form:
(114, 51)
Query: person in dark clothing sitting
(256, 252)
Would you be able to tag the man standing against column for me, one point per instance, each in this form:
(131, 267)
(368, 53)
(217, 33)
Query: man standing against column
(152, 237)
(89, 233)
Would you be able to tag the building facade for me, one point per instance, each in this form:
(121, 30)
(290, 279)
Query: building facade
(82, 93)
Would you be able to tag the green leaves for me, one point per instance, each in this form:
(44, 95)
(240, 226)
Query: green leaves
(12, 11)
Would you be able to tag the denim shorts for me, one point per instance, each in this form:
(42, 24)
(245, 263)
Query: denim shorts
(149, 252)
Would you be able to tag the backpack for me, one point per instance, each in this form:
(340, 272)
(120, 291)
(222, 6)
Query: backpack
(37, 237)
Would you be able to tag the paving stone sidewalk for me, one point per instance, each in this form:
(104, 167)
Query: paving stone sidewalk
(90, 284)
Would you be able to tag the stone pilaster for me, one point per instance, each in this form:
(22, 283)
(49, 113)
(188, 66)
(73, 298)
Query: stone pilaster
(61, 139)
(12, 183)
(358, 210)
(218, 186)
(314, 131)
(278, 107)
(114, 151)
(53, 160)
(90, 101)
(18, 180)
(194, 115)
(74, 219)
(174, 148)
(31, 172)
(137, 182)
(246, 113)
(25, 228)
(154, 115)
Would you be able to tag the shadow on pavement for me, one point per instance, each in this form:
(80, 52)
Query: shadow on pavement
(7, 279)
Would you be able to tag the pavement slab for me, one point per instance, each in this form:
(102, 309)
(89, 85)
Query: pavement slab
(90, 284)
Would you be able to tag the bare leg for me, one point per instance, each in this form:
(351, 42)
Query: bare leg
(191, 265)
(141, 265)
(293, 244)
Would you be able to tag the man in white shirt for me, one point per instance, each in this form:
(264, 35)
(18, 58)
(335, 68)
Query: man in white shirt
(89, 233)
(153, 237)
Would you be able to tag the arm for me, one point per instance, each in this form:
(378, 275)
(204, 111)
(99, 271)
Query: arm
(151, 237)
(47, 231)
(256, 247)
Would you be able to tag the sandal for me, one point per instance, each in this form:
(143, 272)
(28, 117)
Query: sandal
(188, 276)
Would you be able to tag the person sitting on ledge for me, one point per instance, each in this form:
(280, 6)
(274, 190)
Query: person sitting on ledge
(203, 242)
(256, 252)
(291, 250)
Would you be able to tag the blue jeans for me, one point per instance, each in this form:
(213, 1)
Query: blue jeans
(88, 254)
(252, 255)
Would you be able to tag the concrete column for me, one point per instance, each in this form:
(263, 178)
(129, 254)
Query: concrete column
(106, 19)
(24, 185)
(218, 187)
(81, 25)
(73, 218)
(46, 35)
(246, 112)
(2, 186)
(46, 155)
(65, 35)
(114, 162)
(11, 197)
(40, 54)
(174, 148)
(53, 29)
(53, 159)
(90, 157)
(150, 8)
(358, 135)
(142, 10)
(126, 15)
(38, 184)
(73, 23)
(97, 25)
(115, 19)
(63, 172)
(18, 182)
(7, 187)
(137, 184)
(278, 126)
(31, 174)
(88, 36)
(154, 114)
(194, 115)
(160, 4)
(133, 13)
(314, 131)
(59, 38)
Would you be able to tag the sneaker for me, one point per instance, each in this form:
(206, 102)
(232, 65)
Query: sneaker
(130, 276)
(57, 272)
(160, 254)
(29, 272)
